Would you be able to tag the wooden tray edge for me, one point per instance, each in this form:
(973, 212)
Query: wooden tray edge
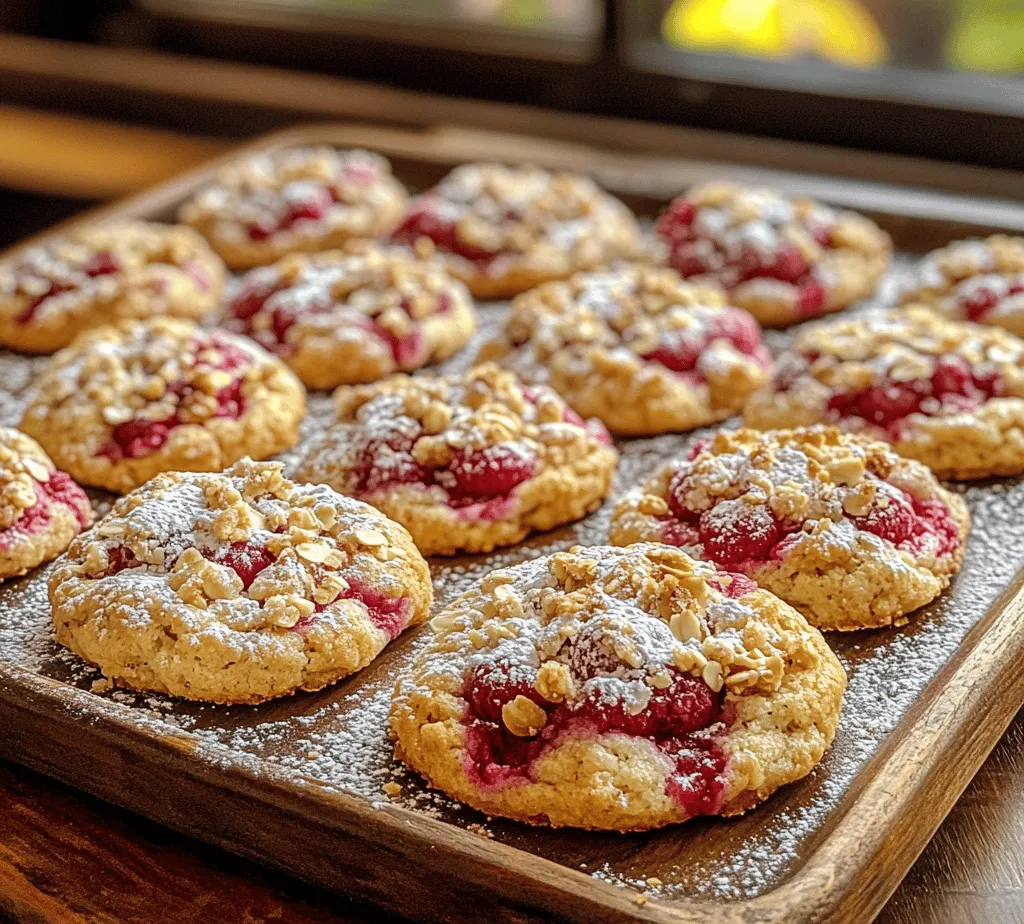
(821, 889)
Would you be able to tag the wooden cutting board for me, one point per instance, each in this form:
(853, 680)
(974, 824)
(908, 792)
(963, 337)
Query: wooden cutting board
(299, 783)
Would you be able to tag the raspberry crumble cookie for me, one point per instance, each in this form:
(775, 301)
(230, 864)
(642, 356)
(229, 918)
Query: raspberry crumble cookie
(974, 280)
(41, 508)
(104, 273)
(948, 393)
(504, 230)
(783, 260)
(851, 534)
(466, 463)
(305, 199)
(345, 317)
(237, 587)
(125, 403)
(637, 347)
(618, 689)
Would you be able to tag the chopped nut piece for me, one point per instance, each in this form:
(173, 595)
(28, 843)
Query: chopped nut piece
(523, 717)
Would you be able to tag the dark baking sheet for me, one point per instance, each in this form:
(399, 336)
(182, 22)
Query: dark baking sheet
(754, 867)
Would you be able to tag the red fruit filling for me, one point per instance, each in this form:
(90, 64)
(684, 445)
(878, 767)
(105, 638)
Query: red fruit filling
(911, 523)
(101, 263)
(733, 584)
(785, 264)
(953, 387)
(408, 351)
(476, 474)
(680, 720)
(691, 256)
(736, 535)
(681, 350)
(135, 438)
(389, 614)
(60, 489)
(675, 223)
(245, 559)
(425, 219)
(811, 300)
(478, 482)
(195, 270)
(979, 299)
(303, 201)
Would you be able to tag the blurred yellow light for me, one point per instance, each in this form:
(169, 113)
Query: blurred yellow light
(836, 30)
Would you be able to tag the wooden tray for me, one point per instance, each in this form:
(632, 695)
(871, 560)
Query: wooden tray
(297, 783)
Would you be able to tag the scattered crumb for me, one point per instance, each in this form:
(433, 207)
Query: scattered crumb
(340, 737)
(101, 685)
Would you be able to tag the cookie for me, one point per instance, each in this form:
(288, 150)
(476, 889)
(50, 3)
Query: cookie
(783, 260)
(41, 508)
(840, 527)
(503, 230)
(123, 404)
(261, 207)
(345, 317)
(465, 463)
(100, 274)
(980, 281)
(237, 587)
(617, 689)
(948, 393)
(636, 347)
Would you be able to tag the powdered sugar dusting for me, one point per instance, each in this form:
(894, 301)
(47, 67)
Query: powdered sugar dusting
(338, 737)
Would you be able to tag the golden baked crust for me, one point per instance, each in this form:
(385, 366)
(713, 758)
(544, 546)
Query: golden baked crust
(123, 404)
(620, 689)
(636, 347)
(101, 274)
(783, 260)
(948, 393)
(973, 280)
(503, 230)
(237, 587)
(41, 509)
(354, 315)
(466, 463)
(261, 207)
(840, 527)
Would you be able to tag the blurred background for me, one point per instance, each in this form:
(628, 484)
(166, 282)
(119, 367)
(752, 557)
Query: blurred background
(101, 97)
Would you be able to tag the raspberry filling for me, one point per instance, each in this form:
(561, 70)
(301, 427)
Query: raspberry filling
(389, 614)
(60, 490)
(302, 200)
(682, 720)
(409, 351)
(478, 482)
(139, 437)
(692, 253)
(977, 298)
(426, 218)
(953, 388)
(681, 350)
(739, 536)
(101, 263)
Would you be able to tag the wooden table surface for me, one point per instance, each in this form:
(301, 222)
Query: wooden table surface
(65, 857)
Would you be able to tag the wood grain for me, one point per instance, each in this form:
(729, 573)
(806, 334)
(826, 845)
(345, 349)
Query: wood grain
(433, 869)
(89, 158)
(67, 857)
